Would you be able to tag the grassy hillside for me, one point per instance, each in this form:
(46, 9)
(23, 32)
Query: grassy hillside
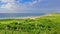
(43, 25)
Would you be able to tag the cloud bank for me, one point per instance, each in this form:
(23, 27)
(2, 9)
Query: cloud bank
(18, 4)
(29, 6)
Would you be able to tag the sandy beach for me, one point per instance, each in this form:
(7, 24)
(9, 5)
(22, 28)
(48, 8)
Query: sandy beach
(30, 17)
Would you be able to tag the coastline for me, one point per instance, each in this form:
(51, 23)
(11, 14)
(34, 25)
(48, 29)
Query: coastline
(30, 17)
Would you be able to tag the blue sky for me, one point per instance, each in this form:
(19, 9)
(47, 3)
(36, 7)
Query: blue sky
(29, 6)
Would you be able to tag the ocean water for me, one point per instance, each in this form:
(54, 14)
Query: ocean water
(10, 15)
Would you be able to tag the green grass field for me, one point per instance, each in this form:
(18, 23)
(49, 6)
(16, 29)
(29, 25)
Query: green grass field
(42, 25)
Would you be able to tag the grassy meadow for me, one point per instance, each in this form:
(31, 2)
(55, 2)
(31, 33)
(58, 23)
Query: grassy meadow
(42, 25)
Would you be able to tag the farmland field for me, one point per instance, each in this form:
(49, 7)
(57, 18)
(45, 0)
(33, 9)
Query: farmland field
(41, 25)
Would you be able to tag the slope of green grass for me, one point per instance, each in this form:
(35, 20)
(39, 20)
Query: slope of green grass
(42, 25)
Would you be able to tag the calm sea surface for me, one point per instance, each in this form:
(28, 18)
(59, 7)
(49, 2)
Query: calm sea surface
(7, 15)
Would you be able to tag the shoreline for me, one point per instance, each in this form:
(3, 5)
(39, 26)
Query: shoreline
(30, 17)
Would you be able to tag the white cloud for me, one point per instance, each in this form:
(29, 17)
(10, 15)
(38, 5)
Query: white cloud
(12, 6)
(9, 4)
(7, 0)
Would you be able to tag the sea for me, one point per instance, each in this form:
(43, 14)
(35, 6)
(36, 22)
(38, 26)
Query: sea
(15, 15)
